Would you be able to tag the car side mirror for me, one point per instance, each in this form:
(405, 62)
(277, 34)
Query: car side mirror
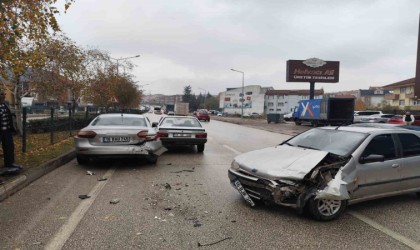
(372, 158)
(154, 124)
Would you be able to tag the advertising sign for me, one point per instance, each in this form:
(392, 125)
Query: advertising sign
(312, 70)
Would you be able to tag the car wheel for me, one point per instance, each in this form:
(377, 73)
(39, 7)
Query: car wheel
(326, 210)
(152, 159)
(200, 148)
(418, 194)
(298, 122)
(81, 159)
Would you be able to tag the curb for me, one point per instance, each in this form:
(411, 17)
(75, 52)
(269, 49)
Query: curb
(27, 177)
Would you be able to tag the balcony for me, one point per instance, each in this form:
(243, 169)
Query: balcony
(391, 97)
(409, 95)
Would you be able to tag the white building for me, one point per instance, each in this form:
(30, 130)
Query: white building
(284, 101)
(254, 95)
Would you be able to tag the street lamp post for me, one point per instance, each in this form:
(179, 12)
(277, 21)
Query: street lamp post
(125, 58)
(242, 94)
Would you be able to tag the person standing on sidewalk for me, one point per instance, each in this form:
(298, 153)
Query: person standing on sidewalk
(408, 118)
(6, 136)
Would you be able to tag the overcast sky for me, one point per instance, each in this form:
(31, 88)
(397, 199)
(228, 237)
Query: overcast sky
(197, 42)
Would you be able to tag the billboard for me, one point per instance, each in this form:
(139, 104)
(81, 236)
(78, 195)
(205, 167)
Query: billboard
(312, 70)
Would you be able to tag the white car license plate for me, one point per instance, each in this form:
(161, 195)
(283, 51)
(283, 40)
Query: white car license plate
(116, 139)
(181, 135)
(242, 191)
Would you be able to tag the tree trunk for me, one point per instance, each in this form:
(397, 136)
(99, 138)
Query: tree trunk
(18, 106)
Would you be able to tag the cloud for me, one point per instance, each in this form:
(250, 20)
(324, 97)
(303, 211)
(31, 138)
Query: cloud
(198, 42)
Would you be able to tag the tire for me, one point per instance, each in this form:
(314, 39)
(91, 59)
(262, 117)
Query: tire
(200, 148)
(314, 124)
(326, 210)
(418, 194)
(82, 160)
(298, 122)
(152, 159)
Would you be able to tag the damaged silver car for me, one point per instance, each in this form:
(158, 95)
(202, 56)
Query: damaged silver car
(324, 169)
(118, 135)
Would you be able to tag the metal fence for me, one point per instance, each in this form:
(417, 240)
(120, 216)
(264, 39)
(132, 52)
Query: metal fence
(52, 127)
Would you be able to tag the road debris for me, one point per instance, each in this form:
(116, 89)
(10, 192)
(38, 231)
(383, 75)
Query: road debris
(102, 179)
(84, 196)
(90, 173)
(167, 186)
(169, 164)
(114, 201)
(213, 243)
(184, 170)
(197, 223)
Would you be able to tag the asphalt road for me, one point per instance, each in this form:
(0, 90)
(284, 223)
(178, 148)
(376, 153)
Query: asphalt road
(185, 201)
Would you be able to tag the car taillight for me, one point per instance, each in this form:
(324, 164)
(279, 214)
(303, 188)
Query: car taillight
(162, 134)
(203, 135)
(86, 134)
(144, 134)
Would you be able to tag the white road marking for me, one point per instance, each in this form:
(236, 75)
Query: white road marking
(60, 238)
(387, 231)
(232, 149)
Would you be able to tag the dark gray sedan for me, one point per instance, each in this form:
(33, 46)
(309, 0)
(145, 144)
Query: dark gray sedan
(324, 169)
(181, 131)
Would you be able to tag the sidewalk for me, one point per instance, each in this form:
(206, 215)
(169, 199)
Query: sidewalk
(12, 183)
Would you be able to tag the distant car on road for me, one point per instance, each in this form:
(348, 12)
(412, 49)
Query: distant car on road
(379, 118)
(202, 115)
(253, 114)
(181, 131)
(398, 119)
(118, 135)
(288, 116)
(359, 115)
(171, 113)
(324, 169)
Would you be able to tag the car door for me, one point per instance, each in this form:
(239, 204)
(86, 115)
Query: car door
(410, 169)
(377, 178)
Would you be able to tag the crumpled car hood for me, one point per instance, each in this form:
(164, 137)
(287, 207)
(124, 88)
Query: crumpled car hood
(280, 162)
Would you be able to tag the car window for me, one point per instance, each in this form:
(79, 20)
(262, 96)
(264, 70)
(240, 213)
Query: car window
(410, 144)
(387, 116)
(368, 113)
(180, 122)
(119, 121)
(381, 145)
(335, 141)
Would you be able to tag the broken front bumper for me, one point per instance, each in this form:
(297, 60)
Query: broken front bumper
(264, 190)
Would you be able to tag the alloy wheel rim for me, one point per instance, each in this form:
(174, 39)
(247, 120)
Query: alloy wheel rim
(328, 207)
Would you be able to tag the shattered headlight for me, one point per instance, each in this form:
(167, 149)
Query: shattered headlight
(234, 165)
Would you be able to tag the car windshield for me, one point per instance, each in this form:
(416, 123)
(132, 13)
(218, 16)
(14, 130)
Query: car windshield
(119, 121)
(180, 122)
(334, 141)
